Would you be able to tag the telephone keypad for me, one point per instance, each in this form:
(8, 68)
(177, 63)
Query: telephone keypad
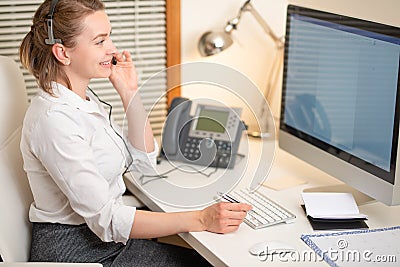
(191, 151)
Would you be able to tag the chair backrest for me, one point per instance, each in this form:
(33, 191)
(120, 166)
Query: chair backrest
(15, 193)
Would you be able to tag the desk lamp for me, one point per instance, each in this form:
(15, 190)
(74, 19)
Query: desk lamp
(212, 43)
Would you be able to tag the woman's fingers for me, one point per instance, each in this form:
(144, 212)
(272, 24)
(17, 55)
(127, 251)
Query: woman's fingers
(128, 57)
(224, 217)
(125, 56)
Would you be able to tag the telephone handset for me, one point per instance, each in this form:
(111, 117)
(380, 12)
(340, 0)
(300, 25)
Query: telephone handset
(210, 138)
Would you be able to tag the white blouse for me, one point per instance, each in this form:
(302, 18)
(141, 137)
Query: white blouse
(74, 161)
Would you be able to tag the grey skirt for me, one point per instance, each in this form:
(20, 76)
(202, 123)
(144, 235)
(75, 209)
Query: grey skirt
(77, 243)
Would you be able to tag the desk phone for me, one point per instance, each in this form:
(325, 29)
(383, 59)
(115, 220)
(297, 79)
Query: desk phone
(210, 138)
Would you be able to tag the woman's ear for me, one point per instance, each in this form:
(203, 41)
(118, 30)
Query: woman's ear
(61, 54)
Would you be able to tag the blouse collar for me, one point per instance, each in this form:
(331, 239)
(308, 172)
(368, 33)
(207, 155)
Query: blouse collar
(66, 96)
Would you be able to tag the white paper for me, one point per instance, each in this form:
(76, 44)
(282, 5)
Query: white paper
(331, 206)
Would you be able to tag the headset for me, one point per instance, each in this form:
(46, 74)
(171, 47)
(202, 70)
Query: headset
(51, 40)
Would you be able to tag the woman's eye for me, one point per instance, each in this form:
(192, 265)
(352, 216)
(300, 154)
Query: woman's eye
(100, 42)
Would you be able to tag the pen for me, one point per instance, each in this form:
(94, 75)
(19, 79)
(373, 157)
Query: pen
(228, 197)
(231, 199)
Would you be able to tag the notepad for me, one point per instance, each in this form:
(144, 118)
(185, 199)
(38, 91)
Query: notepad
(331, 206)
(357, 248)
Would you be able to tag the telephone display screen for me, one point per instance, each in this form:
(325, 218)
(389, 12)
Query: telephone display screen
(212, 120)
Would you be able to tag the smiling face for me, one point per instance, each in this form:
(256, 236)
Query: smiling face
(91, 57)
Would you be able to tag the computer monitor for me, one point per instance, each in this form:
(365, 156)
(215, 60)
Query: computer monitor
(340, 99)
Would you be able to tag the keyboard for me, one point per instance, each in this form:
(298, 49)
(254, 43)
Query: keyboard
(265, 212)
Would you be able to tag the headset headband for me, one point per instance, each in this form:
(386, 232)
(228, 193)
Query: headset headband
(51, 40)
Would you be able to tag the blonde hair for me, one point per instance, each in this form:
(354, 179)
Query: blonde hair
(36, 56)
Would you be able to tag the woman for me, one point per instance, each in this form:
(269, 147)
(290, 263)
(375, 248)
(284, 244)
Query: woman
(75, 158)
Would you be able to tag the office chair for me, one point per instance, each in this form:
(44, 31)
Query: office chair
(15, 193)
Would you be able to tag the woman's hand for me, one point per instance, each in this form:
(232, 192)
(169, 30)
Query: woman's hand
(224, 217)
(124, 79)
(123, 75)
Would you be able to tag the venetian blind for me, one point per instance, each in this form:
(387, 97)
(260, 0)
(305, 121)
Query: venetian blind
(138, 26)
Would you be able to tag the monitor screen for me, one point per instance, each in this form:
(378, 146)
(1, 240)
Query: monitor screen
(340, 94)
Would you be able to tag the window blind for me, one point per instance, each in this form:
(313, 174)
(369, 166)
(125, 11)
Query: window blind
(138, 26)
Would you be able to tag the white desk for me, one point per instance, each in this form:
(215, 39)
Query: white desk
(232, 249)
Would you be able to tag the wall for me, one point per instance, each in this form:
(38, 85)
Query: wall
(252, 51)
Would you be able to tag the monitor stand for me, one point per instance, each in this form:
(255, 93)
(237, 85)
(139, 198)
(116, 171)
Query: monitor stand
(360, 198)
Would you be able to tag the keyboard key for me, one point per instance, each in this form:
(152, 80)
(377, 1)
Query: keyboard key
(265, 211)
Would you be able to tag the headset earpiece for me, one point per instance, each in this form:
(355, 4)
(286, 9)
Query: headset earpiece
(51, 40)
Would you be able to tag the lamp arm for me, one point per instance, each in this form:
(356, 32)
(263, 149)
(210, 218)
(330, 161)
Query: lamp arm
(247, 6)
(233, 23)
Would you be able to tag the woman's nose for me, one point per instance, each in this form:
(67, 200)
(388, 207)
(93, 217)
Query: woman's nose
(111, 48)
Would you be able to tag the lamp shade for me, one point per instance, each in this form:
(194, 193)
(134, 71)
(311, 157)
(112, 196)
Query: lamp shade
(211, 43)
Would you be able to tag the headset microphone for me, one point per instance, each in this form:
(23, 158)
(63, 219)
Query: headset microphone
(114, 61)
